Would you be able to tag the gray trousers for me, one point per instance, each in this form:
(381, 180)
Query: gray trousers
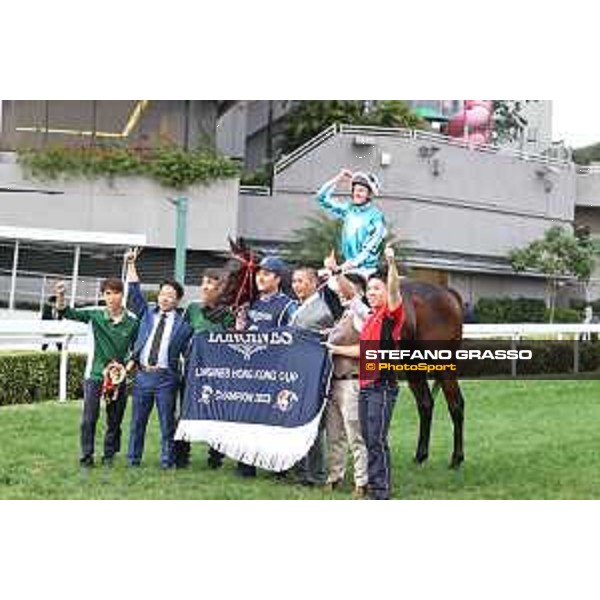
(311, 468)
(343, 432)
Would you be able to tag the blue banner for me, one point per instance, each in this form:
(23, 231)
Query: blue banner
(256, 396)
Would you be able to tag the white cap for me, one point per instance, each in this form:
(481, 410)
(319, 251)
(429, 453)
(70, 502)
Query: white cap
(368, 180)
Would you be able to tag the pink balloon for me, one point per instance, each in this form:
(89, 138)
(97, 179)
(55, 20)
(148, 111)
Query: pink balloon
(478, 116)
(473, 103)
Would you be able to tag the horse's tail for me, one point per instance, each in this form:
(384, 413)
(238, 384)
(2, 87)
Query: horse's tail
(461, 307)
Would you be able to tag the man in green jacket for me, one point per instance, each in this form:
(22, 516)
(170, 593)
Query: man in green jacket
(112, 334)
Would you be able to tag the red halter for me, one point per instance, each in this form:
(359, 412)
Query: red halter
(249, 269)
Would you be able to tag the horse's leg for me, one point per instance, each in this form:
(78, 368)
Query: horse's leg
(456, 408)
(424, 399)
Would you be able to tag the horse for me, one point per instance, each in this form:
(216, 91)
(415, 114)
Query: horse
(433, 313)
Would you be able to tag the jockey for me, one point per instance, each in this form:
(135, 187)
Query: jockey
(364, 229)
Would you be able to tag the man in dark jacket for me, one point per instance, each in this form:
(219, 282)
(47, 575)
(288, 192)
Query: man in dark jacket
(162, 339)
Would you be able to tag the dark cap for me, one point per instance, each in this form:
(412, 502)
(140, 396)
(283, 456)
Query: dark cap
(273, 264)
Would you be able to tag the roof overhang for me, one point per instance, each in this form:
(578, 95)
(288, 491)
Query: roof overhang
(72, 236)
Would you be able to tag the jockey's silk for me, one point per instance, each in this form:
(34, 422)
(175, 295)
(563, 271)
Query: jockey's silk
(364, 229)
(270, 311)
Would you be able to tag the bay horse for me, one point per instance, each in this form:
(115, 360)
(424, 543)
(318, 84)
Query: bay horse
(432, 313)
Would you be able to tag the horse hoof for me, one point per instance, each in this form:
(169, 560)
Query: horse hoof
(456, 462)
(420, 458)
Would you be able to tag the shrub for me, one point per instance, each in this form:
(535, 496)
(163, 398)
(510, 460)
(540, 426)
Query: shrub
(34, 376)
(510, 310)
(548, 358)
(565, 315)
(171, 167)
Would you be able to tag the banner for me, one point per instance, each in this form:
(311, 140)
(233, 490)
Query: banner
(256, 397)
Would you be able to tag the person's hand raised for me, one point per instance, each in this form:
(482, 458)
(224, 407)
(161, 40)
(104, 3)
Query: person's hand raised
(330, 262)
(131, 255)
(344, 175)
(390, 254)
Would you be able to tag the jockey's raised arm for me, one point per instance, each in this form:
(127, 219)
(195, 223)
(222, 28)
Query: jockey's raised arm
(337, 209)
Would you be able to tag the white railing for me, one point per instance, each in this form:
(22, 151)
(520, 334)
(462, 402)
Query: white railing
(66, 331)
(307, 147)
(489, 148)
(255, 190)
(398, 132)
(427, 136)
(45, 332)
(522, 330)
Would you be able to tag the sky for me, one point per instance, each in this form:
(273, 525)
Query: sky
(575, 123)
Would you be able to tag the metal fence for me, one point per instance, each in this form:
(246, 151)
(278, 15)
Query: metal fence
(31, 289)
(428, 136)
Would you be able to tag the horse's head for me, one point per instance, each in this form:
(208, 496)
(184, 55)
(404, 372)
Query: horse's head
(238, 275)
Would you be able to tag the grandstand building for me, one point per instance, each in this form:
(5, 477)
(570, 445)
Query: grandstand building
(458, 209)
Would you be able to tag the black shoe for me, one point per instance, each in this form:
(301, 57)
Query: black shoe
(134, 464)
(107, 461)
(214, 463)
(87, 462)
(245, 470)
(281, 475)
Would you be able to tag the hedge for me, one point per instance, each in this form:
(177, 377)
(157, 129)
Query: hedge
(521, 310)
(548, 358)
(29, 377)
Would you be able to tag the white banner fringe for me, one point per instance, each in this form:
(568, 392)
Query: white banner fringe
(265, 446)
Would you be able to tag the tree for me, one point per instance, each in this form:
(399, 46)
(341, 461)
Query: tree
(589, 249)
(394, 113)
(311, 117)
(312, 242)
(587, 154)
(559, 254)
(509, 122)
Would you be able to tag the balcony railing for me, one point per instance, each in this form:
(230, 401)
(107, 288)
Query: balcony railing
(425, 136)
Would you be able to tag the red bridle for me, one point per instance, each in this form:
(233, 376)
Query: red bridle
(249, 269)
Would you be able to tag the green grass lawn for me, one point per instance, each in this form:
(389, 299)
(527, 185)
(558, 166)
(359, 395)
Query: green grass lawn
(533, 439)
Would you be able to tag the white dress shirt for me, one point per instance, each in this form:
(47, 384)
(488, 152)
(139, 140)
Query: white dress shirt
(163, 353)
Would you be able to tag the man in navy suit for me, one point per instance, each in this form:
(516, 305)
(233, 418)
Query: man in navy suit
(163, 337)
